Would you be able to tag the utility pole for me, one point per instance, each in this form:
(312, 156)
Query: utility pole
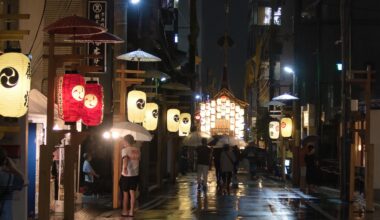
(193, 37)
(345, 138)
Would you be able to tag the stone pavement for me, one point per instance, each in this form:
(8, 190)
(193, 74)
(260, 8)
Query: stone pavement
(263, 198)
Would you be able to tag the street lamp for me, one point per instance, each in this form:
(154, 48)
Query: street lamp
(135, 2)
(289, 70)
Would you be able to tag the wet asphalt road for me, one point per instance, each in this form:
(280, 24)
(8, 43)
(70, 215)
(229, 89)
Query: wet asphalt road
(252, 199)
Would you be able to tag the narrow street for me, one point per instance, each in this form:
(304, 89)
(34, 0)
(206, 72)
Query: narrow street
(263, 198)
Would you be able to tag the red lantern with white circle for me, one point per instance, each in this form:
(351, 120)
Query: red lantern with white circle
(70, 94)
(92, 114)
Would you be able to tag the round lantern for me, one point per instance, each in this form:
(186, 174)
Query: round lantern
(184, 124)
(15, 77)
(274, 129)
(136, 106)
(70, 94)
(286, 127)
(151, 116)
(172, 118)
(93, 104)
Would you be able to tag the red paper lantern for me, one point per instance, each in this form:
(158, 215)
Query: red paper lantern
(70, 94)
(92, 114)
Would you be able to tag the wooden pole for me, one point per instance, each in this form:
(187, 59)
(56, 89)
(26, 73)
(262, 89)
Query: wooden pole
(116, 174)
(368, 146)
(47, 151)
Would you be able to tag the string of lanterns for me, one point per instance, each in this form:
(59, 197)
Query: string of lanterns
(147, 113)
(283, 127)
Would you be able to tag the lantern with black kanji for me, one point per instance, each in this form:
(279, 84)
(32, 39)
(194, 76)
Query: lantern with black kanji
(172, 119)
(151, 117)
(93, 104)
(15, 77)
(184, 124)
(70, 94)
(136, 106)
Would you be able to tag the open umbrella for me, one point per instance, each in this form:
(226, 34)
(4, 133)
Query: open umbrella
(137, 131)
(311, 139)
(230, 140)
(138, 56)
(106, 38)
(285, 97)
(194, 139)
(156, 74)
(74, 25)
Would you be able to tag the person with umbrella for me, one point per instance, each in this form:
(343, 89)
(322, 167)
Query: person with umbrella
(227, 161)
(311, 168)
(203, 164)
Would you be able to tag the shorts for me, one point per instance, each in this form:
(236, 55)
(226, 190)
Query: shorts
(128, 183)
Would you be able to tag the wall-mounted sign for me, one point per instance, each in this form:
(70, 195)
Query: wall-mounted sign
(97, 11)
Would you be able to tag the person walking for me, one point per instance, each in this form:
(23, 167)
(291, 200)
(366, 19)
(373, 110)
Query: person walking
(311, 168)
(89, 174)
(203, 164)
(129, 174)
(218, 174)
(227, 161)
(11, 179)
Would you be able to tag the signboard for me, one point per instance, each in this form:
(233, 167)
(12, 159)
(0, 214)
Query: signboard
(97, 11)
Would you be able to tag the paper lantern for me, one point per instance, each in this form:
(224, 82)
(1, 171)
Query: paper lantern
(286, 127)
(136, 106)
(151, 116)
(15, 77)
(172, 118)
(70, 94)
(184, 124)
(93, 106)
(274, 129)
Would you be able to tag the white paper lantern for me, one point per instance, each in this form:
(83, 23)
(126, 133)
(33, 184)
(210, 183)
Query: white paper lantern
(15, 78)
(151, 116)
(286, 127)
(136, 106)
(274, 129)
(184, 124)
(218, 115)
(203, 106)
(212, 124)
(172, 118)
(213, 103)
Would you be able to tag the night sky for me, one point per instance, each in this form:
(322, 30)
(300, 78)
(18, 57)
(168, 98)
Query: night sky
(212, 27)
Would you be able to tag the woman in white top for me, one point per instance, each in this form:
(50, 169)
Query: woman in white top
(129, 174)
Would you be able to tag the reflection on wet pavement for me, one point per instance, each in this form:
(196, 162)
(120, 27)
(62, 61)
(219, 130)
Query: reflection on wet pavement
(252, 199)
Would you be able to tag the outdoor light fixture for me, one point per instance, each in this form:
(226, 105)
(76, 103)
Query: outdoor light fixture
(339, 66)
(70, 93)
(136, 106)
(163, 79)
(197, 97)
(274, 129)
(172, 118)
(135, 2)
(184, 124)
(286, 127)
(15, 77)
(151, 117)
(288, 69)
(92, 114)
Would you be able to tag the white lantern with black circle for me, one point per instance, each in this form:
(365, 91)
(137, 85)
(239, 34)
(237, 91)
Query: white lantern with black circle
(184, 124)
(151, 116)
(172, 118)
(15, 78)
(136, 106)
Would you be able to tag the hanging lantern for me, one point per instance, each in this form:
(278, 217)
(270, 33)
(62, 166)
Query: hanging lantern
(70, 94)
(151, 116)
(136, 106)
(92, 114)
(274, 129)
(184, 124)
(172, 118)
(286, 127)
(15, 77)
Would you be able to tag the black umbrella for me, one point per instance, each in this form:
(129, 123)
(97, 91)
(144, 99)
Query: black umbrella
(311, 139)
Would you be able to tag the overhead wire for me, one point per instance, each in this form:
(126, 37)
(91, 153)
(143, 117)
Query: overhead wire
(38, 29)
